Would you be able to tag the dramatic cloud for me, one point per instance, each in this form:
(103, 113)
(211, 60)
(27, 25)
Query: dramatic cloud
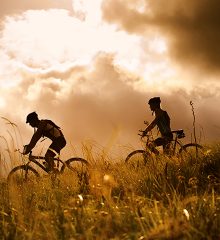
(96, 102)
(11, 7)
(190, 27)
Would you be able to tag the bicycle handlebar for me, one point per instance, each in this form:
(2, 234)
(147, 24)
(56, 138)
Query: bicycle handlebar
(30, 156)
(142, 135)
(18, 150)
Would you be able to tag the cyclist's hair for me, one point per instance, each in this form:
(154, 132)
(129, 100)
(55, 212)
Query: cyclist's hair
(31, 116)
(154, 100)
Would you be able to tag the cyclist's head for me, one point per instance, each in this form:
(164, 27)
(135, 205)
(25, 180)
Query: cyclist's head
(154, 103)
(32, 119)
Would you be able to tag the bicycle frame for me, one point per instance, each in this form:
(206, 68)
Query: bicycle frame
(75, 164)
(178, 134)
(34, 159)
(176, 142)
(146, 141)
(176, 148)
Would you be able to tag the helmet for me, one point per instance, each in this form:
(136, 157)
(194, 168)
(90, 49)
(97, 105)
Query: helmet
(31, 116)
(154, 100)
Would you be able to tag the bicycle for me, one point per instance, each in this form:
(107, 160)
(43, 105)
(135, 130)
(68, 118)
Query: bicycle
(25, 172)
(138, 158)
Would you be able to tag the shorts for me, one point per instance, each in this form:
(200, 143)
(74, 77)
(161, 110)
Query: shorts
(58, 144)
(164, 141)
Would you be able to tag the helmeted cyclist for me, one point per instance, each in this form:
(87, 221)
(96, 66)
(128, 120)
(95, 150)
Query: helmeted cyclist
(45, 128)
(162, 121)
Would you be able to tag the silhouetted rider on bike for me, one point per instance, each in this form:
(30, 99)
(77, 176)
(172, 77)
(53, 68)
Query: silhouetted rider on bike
(162, 121)
(45, 128)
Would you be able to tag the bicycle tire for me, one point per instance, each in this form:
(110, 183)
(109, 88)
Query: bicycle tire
(76, 164)
(137, 158)
(192, 151)
(22, 173)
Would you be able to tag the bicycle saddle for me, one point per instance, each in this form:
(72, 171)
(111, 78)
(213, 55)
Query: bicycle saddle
(180, 133)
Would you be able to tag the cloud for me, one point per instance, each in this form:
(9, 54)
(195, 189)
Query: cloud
(31, 42)
(11, 7)
(100, 102)
(191, 28)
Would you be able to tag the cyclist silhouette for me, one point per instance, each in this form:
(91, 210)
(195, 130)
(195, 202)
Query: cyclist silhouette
(45, 128)
(162, 121)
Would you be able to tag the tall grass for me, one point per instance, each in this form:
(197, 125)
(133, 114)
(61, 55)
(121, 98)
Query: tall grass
(118, 202)
(169, 198)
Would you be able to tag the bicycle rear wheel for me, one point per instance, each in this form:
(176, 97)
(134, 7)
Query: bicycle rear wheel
(77, 165)
(137, 158)
(22, 174)
(79, 170)
(192, 151)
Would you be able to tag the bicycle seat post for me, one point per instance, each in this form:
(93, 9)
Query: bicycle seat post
(30, 157)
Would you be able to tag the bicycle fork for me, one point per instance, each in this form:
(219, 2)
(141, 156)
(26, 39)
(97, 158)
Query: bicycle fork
(26, 169)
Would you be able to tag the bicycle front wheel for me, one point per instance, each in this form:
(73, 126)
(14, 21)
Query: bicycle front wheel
(137, 158)
(22, 174)
(191, 151)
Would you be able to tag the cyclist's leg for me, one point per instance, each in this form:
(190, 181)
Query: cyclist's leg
(161, 141)
(54, 150)
(152, 146)
(167, 148)
(49, 158)
(166, 143)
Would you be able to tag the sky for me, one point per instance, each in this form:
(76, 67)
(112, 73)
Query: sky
(91, 67)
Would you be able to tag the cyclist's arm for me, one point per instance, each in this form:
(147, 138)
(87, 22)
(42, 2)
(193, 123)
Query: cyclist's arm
(37, 135)
(150, 126)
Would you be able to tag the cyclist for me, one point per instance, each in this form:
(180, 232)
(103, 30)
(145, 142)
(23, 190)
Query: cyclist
(162, 121)
(45, 128)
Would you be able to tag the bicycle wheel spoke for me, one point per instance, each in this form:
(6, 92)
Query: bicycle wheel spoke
(22, 174)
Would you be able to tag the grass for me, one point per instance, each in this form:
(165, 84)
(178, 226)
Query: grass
(167, 199)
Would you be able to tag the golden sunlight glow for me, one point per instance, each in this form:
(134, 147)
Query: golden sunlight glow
(46, 39)
(158, 45)
(2, 103)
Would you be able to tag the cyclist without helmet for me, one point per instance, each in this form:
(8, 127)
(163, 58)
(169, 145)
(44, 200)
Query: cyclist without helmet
(162, 121)
(45, 128)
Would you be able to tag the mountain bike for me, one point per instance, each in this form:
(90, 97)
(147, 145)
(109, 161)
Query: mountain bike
(140, 157)
(25, 172)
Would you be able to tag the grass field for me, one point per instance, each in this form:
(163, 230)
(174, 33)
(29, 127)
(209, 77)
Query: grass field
(167, 199)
